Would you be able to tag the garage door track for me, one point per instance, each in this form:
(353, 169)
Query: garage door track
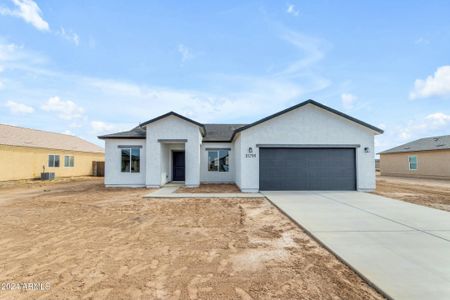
(401, 248)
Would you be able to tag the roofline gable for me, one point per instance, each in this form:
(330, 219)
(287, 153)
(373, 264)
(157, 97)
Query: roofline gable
(172, 113)
(309, 101)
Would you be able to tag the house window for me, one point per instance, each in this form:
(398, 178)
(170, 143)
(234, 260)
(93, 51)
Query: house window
(53, 161)
(412, 160)
(218, 160)
(68, 161)
(131, 158)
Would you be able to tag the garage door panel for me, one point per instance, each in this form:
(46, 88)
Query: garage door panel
(307, 169)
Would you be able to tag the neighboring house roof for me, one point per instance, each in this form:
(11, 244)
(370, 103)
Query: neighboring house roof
(226, 132)
(26, 137)
(424, 144)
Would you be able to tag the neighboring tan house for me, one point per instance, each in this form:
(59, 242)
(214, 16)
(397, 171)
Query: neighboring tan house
(25, 153)
(306, 147)
(426, 158)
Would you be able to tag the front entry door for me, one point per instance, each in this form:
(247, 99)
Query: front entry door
(178, 166)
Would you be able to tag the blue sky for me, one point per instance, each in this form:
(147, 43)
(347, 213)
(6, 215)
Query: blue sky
(91, 67)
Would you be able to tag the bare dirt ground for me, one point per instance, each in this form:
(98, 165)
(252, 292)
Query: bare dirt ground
(210, 188)
(428, 192)
(95, 243)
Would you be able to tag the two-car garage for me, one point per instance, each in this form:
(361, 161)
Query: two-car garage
(296, 168)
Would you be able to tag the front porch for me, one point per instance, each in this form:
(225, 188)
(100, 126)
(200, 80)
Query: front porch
(173, 161)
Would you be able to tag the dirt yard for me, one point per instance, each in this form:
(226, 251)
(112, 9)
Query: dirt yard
(86, 241)
(210, 188)
(433, 193)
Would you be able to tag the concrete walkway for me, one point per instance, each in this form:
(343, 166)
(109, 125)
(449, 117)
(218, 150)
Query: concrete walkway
(401, 248)
(169, 191)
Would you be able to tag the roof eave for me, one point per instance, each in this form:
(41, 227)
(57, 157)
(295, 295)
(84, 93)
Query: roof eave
(104, 137)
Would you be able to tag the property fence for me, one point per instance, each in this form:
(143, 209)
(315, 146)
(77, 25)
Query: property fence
(98, 168)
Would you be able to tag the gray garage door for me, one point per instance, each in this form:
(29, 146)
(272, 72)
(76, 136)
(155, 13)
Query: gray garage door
(307, 169)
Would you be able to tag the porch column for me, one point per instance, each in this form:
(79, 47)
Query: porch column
(153, 164)
(192, 157)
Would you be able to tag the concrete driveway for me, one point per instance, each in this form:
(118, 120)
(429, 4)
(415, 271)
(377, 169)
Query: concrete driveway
(402, 248)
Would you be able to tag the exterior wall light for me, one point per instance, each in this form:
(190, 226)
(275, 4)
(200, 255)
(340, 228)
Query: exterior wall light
(250, 150)
(367, 150)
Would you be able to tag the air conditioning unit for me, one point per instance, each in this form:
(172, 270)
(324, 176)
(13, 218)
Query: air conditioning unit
(47, 175)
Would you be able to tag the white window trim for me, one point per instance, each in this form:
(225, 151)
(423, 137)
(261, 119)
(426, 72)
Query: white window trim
(69, 161)
(130, 148)
(48, 156)
(218, 155)
(409, 163)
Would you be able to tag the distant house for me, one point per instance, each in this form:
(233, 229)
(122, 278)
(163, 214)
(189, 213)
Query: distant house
(25, 153)
(426, 158)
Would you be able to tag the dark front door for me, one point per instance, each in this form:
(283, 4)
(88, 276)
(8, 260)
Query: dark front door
(307, 169)
(178, 166)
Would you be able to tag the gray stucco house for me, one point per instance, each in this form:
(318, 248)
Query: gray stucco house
(309, 146)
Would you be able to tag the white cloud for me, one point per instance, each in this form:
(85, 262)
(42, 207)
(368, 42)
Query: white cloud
(185, 52)
(18, 108)
(249, 97)
(434, 85)
(8, 52)
(28, 11)
(66, 110)
(100, 127)
(292, 10)
(422, 41)
(68, 35)
(312, 50)
(348, 100)
(438, 119)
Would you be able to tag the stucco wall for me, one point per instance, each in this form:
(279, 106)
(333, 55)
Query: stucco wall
(430, 164)
(237, 159)
(218, 177)
(113, 163)
(308, 125)
(26, 162)
(172, 128)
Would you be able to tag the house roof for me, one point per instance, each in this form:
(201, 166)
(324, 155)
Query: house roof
(310, 101)
(424, 144)
(226, 132)
(213, 133)
(172, 113)
(26, 137)
(220, 132)
(137, 132)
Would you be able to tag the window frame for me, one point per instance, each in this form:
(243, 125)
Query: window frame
(54, 161)
(415, 162)
(130, 159)
(217, 164)
(71, 165)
